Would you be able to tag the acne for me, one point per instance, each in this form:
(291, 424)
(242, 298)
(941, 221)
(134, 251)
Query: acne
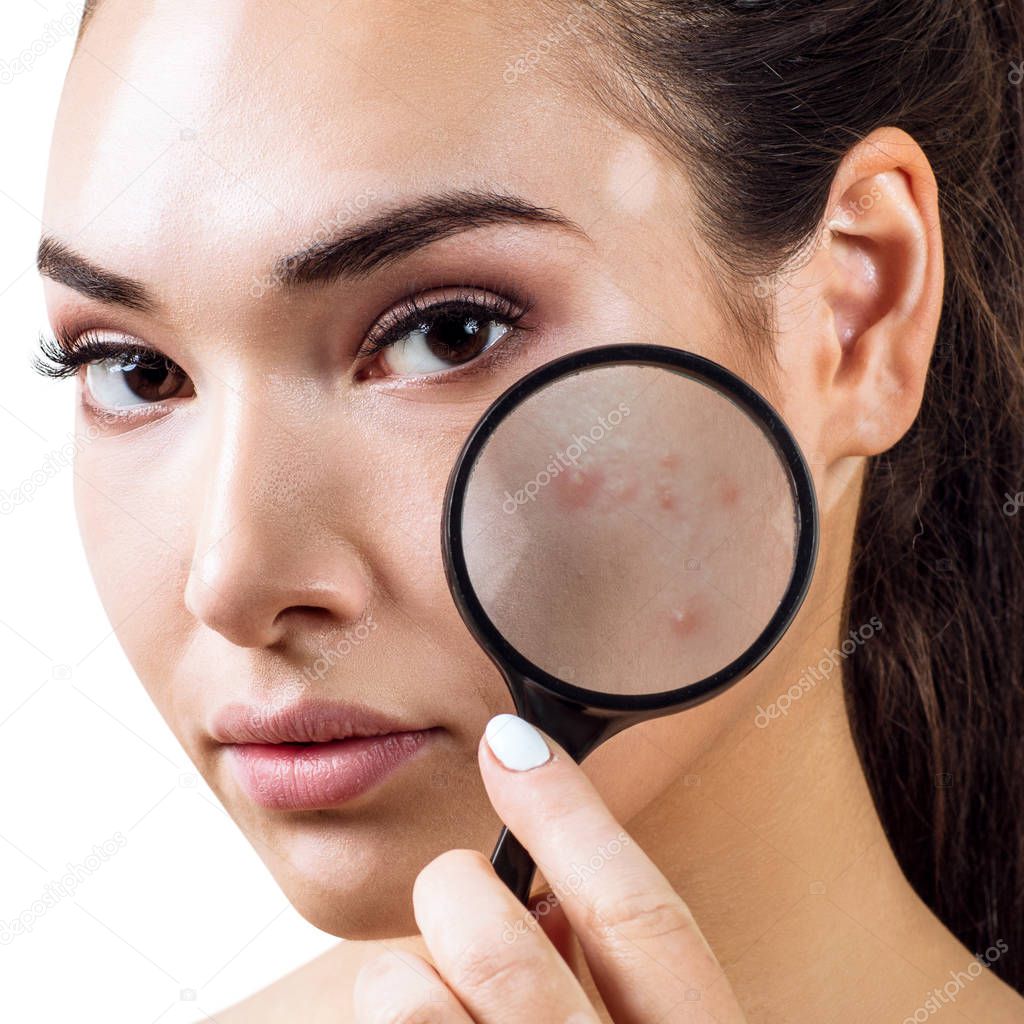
(728, 493)
(685, 620)
(578, 488)
(665, 492)
(666, 496)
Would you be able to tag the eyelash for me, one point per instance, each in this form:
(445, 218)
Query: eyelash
(412, 312)
(63, 354)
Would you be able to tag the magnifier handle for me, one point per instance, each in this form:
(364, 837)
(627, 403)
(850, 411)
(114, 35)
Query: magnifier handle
(514, 865)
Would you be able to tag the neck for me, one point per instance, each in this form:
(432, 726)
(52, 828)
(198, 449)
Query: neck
(773, 840)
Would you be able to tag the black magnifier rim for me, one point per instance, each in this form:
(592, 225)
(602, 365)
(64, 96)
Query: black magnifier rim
(697, 368)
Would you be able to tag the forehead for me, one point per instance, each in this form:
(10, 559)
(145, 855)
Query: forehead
(228, 122)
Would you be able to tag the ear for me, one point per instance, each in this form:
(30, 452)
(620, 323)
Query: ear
(869, 301)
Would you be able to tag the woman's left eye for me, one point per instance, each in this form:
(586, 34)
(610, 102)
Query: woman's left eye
(443, 337)
(443, 344)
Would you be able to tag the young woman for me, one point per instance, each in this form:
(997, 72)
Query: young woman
(293, 251)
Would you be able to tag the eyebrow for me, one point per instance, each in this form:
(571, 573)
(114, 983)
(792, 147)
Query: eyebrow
(392, 234)
(59, 263)
(353, 252)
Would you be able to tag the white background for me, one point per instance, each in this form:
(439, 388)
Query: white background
(182, 919)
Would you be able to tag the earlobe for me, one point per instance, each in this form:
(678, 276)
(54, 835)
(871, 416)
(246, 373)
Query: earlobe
(883, 286)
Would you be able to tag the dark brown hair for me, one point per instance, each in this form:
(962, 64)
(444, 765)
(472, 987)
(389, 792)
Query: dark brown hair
(88, 10)
(761, 99)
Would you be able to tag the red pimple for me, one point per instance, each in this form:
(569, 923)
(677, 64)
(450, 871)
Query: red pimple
(728, 493)
(578, 488)
(684, 620)
(666, 498)
(669, 460)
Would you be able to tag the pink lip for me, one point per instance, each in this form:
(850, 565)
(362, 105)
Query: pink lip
(312, 755)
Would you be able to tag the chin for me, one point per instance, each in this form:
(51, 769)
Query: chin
(352, 898)
(350, 871)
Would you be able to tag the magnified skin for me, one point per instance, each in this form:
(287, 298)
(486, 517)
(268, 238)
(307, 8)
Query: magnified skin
(688, 619)
(581, 488)
(612, 580)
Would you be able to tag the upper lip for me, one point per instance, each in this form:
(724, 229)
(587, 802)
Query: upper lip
(305, 721)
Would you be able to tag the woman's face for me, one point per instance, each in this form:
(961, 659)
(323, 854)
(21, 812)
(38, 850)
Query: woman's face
(263, 526)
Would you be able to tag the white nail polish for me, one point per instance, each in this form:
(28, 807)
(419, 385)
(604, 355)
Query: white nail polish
(515, 743)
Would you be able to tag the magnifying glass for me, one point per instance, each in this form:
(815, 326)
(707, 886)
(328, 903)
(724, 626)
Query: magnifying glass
(627, 531)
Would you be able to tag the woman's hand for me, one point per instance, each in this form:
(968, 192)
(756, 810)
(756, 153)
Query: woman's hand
(495, 964)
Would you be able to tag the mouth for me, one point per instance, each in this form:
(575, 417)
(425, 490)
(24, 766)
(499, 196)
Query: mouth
(313, 756)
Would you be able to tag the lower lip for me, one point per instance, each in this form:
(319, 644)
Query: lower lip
(311, 776)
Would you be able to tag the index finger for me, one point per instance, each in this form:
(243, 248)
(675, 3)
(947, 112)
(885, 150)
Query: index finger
(646, 953)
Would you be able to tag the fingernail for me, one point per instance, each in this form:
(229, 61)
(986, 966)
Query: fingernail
(515, 743)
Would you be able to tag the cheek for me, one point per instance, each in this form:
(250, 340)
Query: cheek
(669, 487)
(579, 489)
(133, 520)
(396, 524)
(397, 521)
(634, 768)
(660, 512)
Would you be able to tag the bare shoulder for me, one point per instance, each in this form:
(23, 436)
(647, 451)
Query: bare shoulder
(319, 992)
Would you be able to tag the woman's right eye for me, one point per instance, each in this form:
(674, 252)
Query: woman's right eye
(119, 374)
(125, 381)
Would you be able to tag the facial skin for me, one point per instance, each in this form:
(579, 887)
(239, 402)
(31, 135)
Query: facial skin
(239, 532)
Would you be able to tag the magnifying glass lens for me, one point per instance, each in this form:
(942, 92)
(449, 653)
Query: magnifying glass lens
(629, 529)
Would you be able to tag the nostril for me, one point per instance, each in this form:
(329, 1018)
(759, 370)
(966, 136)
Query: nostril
(315, 614)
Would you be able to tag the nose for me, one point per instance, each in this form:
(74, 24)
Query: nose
(269, 561)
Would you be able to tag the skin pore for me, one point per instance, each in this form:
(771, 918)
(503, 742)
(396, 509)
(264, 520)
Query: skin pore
(290, 492)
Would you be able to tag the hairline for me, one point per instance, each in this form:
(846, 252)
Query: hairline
(88, 10)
